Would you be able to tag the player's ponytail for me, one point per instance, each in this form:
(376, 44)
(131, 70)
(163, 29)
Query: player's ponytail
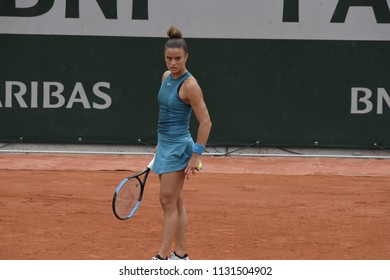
(175, 39)
(174, 33)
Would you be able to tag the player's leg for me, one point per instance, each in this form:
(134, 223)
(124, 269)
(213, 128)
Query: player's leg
(181, 232)
(171, 185)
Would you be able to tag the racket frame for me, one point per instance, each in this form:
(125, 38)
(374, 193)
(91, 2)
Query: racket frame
(142, 184)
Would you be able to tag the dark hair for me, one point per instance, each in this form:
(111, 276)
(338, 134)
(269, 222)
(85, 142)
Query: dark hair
(175, 39)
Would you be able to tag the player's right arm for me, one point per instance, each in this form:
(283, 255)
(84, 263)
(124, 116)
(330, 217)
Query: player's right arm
(165, 75)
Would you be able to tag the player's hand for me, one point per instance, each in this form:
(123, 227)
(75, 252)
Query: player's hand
(193, 166)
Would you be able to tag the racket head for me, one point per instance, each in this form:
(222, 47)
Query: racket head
(127, 198)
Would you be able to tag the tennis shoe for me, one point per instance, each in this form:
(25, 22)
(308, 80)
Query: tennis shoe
(158, 258)
(175, 256)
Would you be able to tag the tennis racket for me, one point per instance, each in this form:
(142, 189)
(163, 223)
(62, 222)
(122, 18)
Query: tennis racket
(128, 194)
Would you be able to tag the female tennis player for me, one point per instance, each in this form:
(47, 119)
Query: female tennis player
(177, 156)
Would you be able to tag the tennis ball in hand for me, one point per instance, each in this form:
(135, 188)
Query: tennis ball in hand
(200, 166)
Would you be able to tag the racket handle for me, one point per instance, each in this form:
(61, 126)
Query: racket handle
(151, 164)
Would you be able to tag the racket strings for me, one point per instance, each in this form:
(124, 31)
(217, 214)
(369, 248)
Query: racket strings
(127, 197)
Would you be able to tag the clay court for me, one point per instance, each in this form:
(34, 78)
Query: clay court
(59, 207)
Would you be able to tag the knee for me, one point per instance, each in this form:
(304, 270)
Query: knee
(167, 204)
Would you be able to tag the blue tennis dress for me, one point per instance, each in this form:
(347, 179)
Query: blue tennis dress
(175, 143)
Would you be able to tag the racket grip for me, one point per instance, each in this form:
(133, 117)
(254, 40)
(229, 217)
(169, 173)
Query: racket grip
(151, 164)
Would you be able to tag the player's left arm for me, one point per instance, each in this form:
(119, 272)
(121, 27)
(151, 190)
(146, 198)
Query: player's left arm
(192, 94)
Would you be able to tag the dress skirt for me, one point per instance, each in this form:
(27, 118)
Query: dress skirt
(173, 153)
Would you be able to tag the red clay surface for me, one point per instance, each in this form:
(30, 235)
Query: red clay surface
(59, 207)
